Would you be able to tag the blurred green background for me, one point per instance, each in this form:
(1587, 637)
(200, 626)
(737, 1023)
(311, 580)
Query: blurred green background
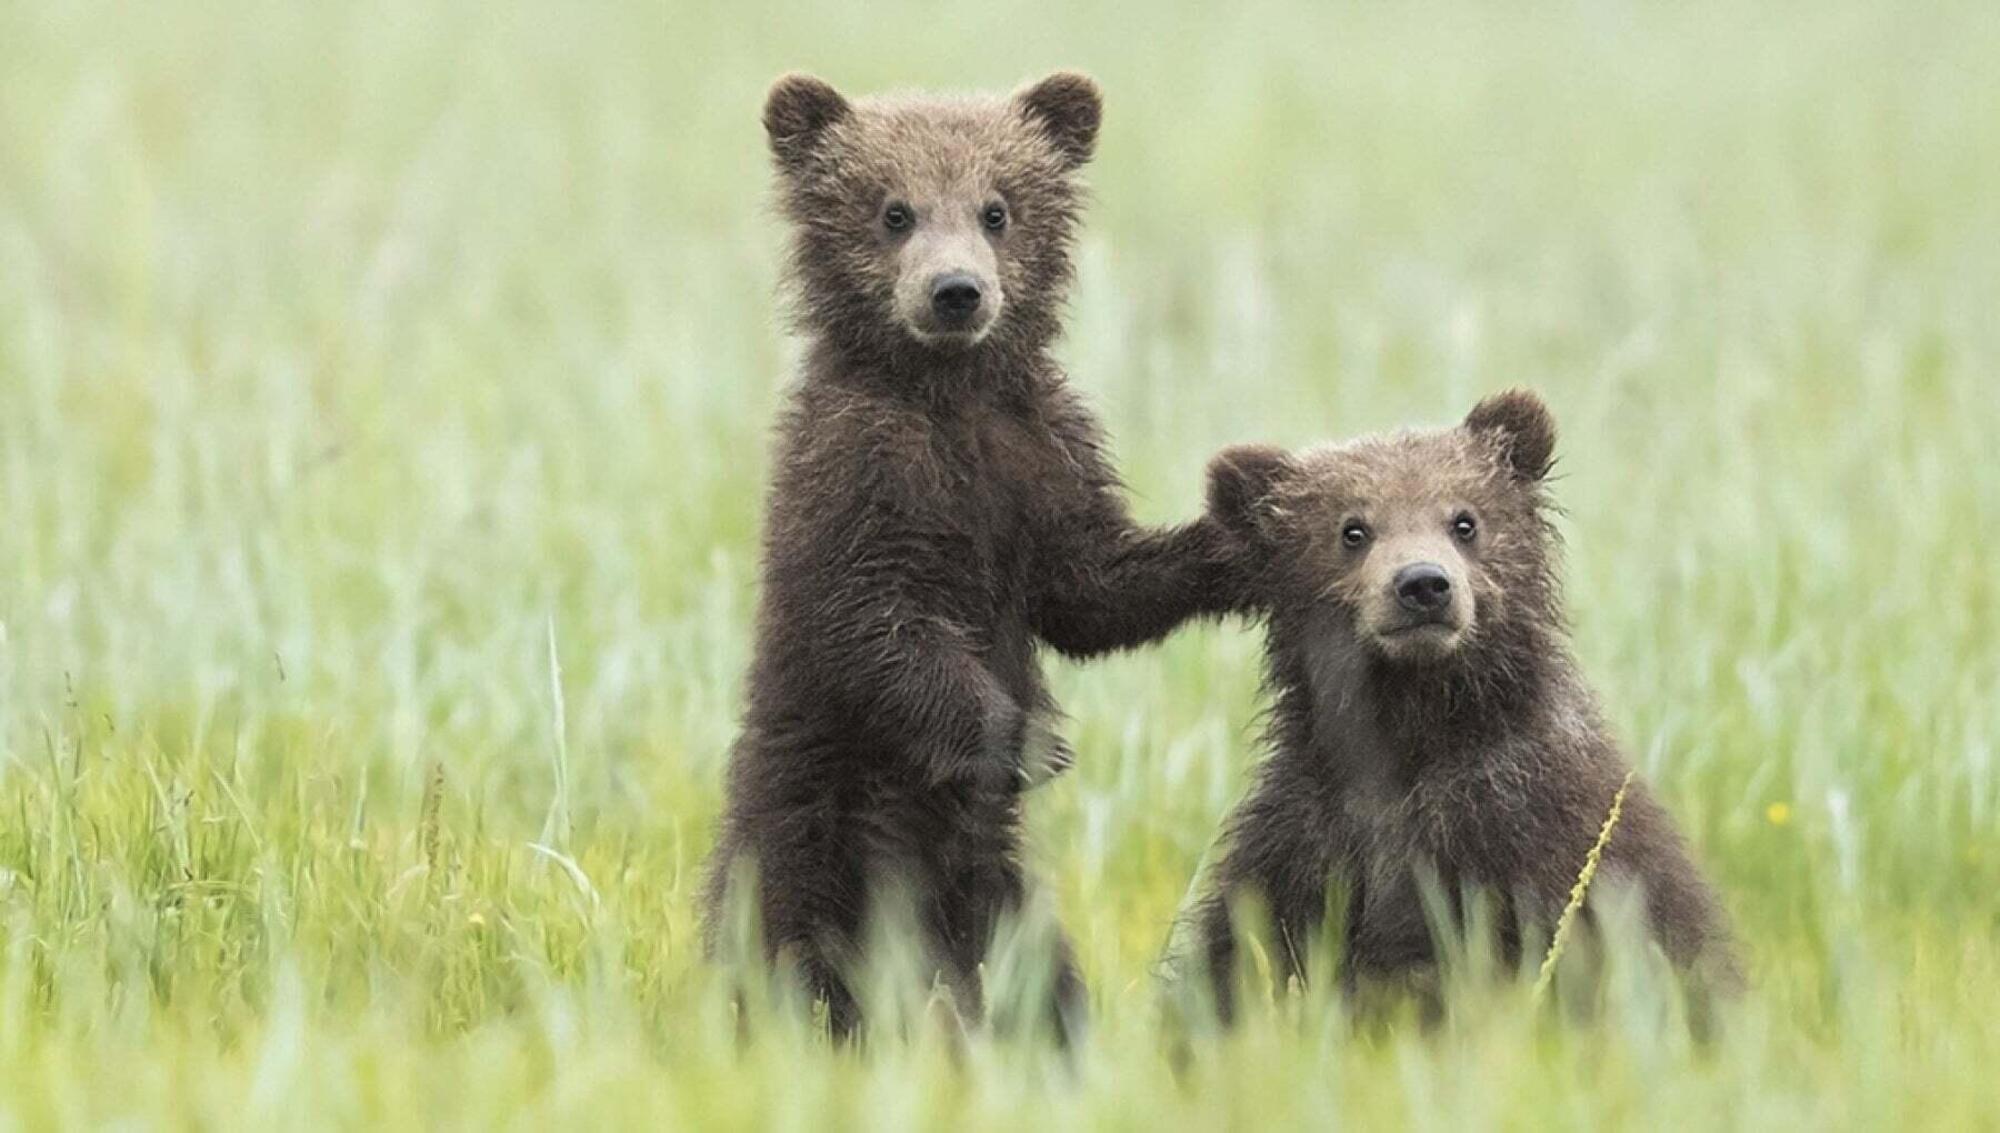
(383, 397)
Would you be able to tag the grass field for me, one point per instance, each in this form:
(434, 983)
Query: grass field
(382, 403)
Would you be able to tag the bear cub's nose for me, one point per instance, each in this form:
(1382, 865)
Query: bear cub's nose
(955, 297)
(1422, 587)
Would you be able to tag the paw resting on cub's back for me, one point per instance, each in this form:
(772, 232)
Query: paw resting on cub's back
(1239, 486)
(1241, 508)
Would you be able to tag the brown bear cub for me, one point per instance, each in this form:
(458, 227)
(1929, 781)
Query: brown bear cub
(941, 506)
(1428, 724)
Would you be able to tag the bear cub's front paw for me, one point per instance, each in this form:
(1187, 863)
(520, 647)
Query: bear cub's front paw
(1044, 752)
(991, 761)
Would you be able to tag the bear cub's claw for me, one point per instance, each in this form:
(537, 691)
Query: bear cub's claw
(1045, 754)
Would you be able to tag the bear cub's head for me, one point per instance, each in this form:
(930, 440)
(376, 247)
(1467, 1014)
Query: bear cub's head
(1425, 544)
(938, 222)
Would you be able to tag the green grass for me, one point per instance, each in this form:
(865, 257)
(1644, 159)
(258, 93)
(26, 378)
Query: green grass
(350, 360)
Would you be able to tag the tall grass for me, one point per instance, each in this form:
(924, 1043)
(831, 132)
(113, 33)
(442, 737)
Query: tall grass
(382, 398)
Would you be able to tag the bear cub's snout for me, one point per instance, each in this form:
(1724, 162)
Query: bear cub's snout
(1424, 590)
(955, 299)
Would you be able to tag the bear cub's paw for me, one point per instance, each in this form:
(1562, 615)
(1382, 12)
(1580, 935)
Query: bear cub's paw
(1045, 754)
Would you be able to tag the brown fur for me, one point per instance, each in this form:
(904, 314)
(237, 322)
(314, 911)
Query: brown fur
(941, 507)
(1467, 749)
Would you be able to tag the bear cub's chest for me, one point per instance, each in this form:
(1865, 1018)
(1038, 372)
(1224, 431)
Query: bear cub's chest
(998, 463)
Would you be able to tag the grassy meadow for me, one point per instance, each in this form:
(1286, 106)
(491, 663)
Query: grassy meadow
(383, 399)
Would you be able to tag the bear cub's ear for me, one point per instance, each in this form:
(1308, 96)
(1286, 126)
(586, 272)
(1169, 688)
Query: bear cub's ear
(796, 112)
(1240, 481)
(1525, 427)
(1067, 106)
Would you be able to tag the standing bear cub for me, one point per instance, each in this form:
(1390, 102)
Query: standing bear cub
(1428, 724)
(941, 507)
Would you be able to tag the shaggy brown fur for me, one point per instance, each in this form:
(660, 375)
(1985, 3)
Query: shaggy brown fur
(941, 507)
(1428, 719)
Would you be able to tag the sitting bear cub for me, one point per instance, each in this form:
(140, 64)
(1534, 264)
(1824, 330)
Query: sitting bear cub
(1428, 722)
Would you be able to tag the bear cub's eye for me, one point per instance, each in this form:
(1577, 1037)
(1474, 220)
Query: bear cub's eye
(1464, 527)
(1355, 533)
(994, 217)
(898, 217)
